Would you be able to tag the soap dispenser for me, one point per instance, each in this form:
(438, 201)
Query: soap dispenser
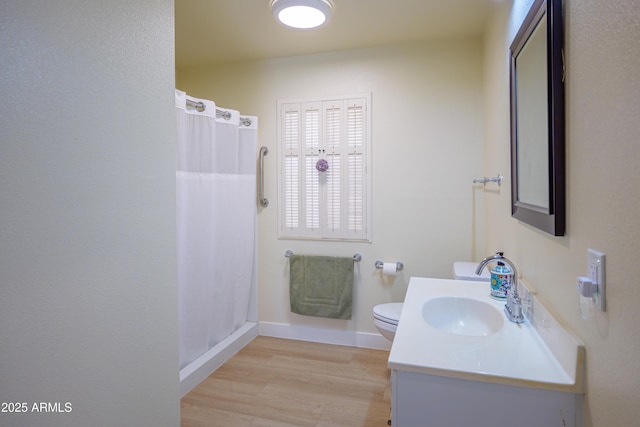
(501, 279)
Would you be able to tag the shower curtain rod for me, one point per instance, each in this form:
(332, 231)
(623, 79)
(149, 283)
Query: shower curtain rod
(200, 107)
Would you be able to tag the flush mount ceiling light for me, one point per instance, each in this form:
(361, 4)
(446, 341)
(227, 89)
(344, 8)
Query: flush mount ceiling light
(302, 14)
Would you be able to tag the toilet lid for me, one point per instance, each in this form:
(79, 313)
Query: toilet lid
(467, 271)
(389, 312)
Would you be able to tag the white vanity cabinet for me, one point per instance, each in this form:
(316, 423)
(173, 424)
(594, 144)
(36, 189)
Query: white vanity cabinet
(421, 400)
(446, 372)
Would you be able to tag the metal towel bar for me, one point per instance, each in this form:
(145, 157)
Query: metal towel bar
(485, 179)
(356, 257)
(261, 199)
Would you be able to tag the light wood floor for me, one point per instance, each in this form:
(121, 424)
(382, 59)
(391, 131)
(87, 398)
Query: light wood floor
(279, 382)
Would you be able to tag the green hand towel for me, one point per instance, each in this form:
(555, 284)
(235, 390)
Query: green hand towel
(321, 286)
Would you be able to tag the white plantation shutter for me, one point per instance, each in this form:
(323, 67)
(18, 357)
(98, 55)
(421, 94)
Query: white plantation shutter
(311, 146)
(290, 147)
(333, 145)
(356, 197)
(324, 205)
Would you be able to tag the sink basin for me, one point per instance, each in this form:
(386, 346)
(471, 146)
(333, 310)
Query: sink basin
(454, 329)
(462, 316)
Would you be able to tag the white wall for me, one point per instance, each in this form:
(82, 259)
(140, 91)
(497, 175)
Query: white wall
(87, 233)
(427, 148)
(602, 110)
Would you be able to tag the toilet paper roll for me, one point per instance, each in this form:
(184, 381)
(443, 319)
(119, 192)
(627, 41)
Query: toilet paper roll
(390, 269)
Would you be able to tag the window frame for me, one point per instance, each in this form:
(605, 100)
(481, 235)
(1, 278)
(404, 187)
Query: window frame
(295, 150)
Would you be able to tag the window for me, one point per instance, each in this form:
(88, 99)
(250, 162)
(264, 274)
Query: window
(333, 204)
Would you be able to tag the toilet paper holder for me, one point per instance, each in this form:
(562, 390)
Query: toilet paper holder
(379, 264)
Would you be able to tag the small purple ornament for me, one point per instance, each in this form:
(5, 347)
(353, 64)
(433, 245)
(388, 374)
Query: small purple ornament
(322, 165)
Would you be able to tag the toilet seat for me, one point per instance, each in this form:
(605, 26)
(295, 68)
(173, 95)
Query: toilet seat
(388, 313)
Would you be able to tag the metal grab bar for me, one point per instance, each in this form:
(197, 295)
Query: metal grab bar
(261, 199)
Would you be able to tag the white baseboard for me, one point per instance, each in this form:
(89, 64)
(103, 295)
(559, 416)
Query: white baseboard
(327, 336)
(192, 374)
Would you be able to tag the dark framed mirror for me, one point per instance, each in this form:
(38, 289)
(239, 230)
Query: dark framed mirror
(537, 119)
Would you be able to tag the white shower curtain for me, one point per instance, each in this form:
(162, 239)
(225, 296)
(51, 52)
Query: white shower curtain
(216, 216)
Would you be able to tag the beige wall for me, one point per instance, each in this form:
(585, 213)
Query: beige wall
(602, 109)
(427, 148)
(88, 312)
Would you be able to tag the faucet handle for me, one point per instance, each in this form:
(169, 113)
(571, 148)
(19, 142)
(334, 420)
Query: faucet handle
(513, 308)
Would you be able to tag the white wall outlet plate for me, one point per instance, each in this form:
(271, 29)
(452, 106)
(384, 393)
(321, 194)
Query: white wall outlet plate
(596, 273)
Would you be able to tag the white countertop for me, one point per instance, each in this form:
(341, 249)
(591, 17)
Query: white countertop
(515, 355)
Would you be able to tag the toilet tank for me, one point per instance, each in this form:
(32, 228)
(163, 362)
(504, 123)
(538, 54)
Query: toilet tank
(465, 270)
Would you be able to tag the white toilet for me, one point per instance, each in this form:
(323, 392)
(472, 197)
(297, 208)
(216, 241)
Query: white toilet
(386, 316)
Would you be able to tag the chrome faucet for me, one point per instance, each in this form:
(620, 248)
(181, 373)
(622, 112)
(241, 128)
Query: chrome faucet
(513, 307)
